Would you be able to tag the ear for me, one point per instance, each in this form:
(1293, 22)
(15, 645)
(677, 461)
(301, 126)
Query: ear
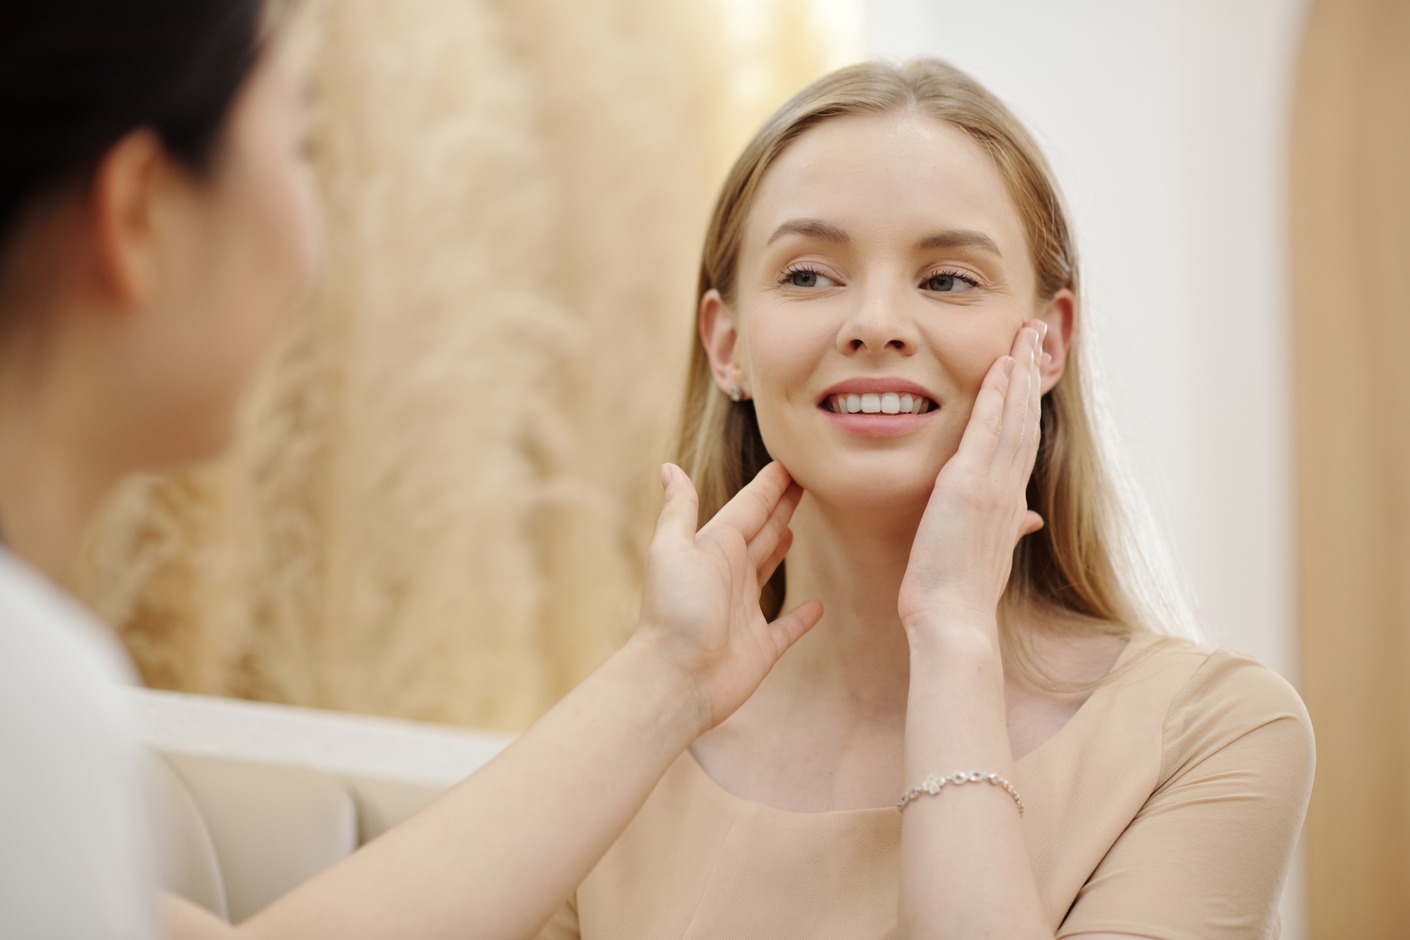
(1060, 315)
(123, 205)
(720, 336)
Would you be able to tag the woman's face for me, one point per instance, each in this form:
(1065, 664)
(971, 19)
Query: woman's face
(251, 239)
(883, 269)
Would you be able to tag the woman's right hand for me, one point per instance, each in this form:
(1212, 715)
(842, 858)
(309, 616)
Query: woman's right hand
(700, 608)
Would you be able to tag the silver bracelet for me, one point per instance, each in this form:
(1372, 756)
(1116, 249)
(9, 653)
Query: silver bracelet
(933, 784)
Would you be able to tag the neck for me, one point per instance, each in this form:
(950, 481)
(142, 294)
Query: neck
(857, 656)
(50, 481)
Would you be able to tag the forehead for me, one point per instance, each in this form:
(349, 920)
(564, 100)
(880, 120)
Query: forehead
(887, 176)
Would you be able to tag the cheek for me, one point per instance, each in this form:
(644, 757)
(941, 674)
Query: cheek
(309, 220)
(781, 355)
(269, 255)
(292, 223)
(969, 347)
(778, 354)
(782, 349)
(773, 366)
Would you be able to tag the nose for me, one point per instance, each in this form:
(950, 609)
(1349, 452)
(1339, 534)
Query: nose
(879, 322)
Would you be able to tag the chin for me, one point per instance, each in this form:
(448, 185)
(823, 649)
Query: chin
(878, 487)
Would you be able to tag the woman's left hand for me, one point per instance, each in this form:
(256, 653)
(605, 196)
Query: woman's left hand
(963, 552)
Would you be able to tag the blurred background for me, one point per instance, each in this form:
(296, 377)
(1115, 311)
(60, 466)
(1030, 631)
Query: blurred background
(440, 502)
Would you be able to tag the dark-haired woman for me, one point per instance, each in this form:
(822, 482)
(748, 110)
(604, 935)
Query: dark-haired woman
(157, 221)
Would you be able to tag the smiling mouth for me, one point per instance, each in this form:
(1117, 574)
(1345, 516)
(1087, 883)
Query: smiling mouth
(878, 403)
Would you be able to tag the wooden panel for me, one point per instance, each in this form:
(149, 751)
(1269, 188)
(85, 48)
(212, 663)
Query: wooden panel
(1351, 283)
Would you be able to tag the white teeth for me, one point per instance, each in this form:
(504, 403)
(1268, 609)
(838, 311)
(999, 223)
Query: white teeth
(872, 403)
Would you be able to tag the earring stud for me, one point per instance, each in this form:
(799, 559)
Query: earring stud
(736, 393)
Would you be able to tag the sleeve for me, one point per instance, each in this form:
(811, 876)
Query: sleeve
(75, 852)
(564, 925)
(1207, 855)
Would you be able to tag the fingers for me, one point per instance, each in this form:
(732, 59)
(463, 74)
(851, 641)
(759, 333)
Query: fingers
(759, 514)
(1021, 406)
(986, 420)
(1033, 425)
(770, 565)
(787, 629)
(765, 544)
(681, 511)
(753, 506)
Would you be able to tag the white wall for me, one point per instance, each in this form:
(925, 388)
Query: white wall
(1167, 124)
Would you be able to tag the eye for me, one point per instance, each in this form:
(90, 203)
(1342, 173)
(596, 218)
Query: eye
(805, 276)
(950, 282)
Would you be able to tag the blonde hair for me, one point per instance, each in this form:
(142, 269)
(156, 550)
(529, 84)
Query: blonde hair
(1096, 559)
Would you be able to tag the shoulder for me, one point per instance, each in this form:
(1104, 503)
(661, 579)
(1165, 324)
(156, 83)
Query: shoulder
(1220, 687)
(47, 636)
(62, 681)
(72, 812)
(62, 671)
(1231, 684)
(1224, 700)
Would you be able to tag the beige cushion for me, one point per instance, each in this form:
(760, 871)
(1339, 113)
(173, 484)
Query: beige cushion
(272, 826)
(382, 804)
(189, 864)
(253, 799)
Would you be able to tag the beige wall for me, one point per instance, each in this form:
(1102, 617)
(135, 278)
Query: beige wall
(1351, 215)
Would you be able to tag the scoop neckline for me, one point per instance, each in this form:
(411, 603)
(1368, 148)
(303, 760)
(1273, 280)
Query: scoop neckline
(1135, 640)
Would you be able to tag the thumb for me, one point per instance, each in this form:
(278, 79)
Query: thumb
(680, 514)
(787, 629)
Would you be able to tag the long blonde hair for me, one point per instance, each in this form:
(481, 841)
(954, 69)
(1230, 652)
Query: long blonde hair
(1096, 559)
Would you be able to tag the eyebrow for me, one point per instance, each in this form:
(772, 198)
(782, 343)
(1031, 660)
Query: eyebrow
(960, 238)
(811, 228)
(951, 238)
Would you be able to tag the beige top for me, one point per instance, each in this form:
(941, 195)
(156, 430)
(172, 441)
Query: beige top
(1167, 806)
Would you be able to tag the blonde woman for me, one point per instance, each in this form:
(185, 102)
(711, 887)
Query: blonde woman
(992, 732)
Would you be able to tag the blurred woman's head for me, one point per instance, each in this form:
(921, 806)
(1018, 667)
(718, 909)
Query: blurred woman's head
(914, 225)
(157, 217)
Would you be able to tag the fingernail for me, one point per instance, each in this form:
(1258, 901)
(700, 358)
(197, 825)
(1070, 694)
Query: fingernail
(1047, 359)
(1009, 363)
(665, 476)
